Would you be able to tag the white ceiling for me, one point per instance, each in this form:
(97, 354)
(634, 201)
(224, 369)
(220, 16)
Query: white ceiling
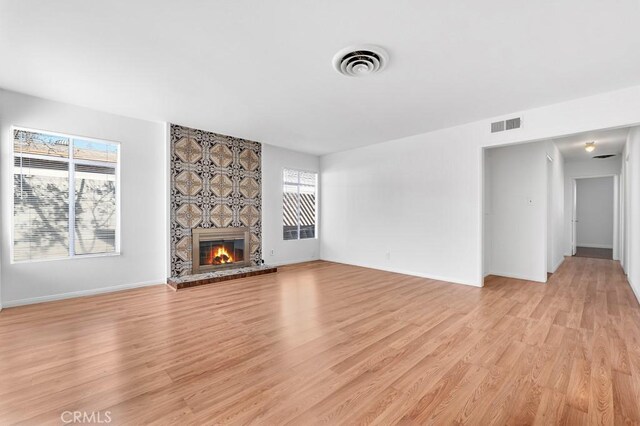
(262, 69)
(607, 142)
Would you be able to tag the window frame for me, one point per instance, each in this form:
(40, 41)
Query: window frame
(317, 198)
(71, 161)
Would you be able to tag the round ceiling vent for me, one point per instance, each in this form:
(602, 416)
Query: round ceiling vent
(358, 61)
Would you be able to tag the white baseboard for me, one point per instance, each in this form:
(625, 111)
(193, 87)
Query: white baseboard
(81, 293)
(602, 246)
(412, 273)
(516, 276)
(636, 290)
(557, 265)
(291, 262)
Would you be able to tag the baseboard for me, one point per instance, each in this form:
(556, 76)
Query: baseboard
(557, 265)
(407, 272)
(596, 246)
(636, 290)
(291, 262)
(516, 276)
(81, 293)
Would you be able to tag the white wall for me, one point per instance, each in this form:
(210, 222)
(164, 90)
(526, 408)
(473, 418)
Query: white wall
(274, 160)
(518, 202)
(406, 206)
(420, 197)
(583, 169)
(487, 230)
(625, 205)
(631, 193)
(555, 208)
(595, 212)
(143, 204)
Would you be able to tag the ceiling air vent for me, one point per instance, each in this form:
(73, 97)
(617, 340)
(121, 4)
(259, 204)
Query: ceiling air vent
(510, 124)
(600, 157)
(359, 61)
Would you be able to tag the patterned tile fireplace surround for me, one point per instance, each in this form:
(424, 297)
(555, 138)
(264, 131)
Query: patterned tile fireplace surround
(215, 183)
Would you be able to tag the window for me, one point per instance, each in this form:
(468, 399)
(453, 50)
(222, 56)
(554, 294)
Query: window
(65, 200)
(299, 204)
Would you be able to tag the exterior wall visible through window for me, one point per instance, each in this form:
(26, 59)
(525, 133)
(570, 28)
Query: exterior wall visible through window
(65, 196)
(299, 201)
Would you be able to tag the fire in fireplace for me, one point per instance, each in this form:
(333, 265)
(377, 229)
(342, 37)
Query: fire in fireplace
(221, 252)
(215, 248)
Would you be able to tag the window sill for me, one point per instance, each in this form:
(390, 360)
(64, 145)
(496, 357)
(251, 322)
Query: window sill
(57, 259)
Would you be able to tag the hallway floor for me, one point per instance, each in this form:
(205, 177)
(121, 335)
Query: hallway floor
(596, 253)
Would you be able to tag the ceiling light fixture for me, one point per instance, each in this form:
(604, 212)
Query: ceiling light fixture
(589, 146)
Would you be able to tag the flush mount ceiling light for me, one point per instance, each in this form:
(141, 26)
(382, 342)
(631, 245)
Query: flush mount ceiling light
(359, 61)
(589, 146)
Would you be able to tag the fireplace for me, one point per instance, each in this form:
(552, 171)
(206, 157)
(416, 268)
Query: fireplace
(218, 248)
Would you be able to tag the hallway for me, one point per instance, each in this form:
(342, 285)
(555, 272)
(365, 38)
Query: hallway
(591, 320)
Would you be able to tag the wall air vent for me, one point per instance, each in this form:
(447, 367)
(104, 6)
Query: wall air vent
(600, 157)
(498, 126)
(510, 124)
(359, 61)
(513, 123)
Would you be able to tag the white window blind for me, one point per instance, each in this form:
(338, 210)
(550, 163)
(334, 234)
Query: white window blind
(299, 204)
(65, 196)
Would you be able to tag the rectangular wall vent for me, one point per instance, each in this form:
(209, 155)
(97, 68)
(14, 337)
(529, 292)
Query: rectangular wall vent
(498, 126)
(510, 124)
(513, 123)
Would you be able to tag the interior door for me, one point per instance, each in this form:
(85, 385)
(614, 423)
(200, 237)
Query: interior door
(574, 219)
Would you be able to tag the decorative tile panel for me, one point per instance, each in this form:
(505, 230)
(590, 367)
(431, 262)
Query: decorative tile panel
(221, 185)
(221, 155)
(188, 183)
(215, 183)
(188, 150)
(221, 216)
(249, 160)
(249, 216)
(189, 215)
(249, 187)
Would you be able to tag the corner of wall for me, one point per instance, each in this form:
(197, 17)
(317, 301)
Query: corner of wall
(167, 203)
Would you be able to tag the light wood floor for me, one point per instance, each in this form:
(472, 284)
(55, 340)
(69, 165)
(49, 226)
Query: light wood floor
(333, 344)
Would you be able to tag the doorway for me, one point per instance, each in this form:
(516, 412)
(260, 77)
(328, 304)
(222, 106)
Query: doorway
(594, 217)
